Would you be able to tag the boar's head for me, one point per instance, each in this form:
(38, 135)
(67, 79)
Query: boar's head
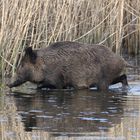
(27, 70)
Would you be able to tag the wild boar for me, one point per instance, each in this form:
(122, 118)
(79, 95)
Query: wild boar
(71, 64)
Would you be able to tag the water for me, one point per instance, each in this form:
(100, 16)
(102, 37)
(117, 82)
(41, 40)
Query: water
(72, 115)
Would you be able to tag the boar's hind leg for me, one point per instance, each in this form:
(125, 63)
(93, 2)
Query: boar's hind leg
(122, 79)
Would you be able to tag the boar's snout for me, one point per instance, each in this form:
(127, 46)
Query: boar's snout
(10, 85)
(17, 82)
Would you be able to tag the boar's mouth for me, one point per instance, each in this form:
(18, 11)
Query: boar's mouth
(16, 82)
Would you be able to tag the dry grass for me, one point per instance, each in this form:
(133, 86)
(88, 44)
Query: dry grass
(37, 23)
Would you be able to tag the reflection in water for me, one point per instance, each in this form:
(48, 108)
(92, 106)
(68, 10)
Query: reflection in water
(81, 111)
(71, 115)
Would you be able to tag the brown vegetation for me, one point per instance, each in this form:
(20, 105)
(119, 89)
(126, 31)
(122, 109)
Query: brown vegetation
(38, 23)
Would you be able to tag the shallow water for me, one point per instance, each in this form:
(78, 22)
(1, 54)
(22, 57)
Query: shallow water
(72, 115)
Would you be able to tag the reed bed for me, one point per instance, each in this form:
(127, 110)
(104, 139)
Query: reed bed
(37, 23)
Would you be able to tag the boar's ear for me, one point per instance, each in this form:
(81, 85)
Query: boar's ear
(31, 54)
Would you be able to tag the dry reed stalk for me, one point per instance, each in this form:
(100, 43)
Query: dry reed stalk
(119, 26)
(38, 23)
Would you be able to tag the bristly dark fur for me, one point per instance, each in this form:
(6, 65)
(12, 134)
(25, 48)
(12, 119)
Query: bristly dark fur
(71, 64)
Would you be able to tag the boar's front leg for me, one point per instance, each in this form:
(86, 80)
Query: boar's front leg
(45, 85)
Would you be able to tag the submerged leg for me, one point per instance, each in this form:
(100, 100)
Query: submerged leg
(103, 86)
(45, 85)
(122, 79)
